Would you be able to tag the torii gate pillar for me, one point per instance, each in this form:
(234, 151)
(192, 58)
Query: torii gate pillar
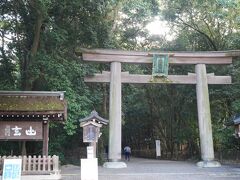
(115, 134)
(204, 119)
(115, 118)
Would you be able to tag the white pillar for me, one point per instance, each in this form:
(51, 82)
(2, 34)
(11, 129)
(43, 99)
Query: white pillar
(204, 118)
(115, 115)
(94, 145)
(115, 118)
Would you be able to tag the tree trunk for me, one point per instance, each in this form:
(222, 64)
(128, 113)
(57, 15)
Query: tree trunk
(105, 98)
(26, 79)
(26, 76)
(37, 32)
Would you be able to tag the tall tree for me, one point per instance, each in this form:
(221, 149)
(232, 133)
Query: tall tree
(210, 23)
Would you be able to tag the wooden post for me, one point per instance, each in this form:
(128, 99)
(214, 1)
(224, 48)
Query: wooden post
(45, 138)
(49, 163)
(24, 163)
(34, 163)
(204, 118)
(24, 150)
(39, 163)
(115, 125)
(29, 160)
(44, 163)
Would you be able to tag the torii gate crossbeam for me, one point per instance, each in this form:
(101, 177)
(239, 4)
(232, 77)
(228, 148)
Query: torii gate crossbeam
(201, 79)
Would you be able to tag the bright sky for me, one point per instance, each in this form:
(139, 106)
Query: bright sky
(158, 27)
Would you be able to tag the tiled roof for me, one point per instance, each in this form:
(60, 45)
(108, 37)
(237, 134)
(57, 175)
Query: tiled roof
(22, 105)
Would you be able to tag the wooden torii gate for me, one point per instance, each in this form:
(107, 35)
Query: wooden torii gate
(116, 77)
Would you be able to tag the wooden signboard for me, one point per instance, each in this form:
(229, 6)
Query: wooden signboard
(21, 130)
(90, 133)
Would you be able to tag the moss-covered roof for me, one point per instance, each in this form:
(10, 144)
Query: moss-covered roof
(31, 103)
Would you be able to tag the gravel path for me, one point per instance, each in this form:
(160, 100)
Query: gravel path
(149, 169)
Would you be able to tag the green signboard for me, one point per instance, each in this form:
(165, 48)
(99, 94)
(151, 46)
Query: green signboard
(160, 65)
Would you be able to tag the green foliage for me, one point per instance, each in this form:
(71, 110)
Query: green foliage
(38, 43)
(208, 22)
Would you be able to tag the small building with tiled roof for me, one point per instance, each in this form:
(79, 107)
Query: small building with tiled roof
(25, 115)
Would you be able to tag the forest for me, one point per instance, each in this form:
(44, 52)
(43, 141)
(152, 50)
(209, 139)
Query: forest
(40, 50)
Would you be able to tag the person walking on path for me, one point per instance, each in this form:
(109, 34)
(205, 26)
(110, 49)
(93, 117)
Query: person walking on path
(127, 152)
